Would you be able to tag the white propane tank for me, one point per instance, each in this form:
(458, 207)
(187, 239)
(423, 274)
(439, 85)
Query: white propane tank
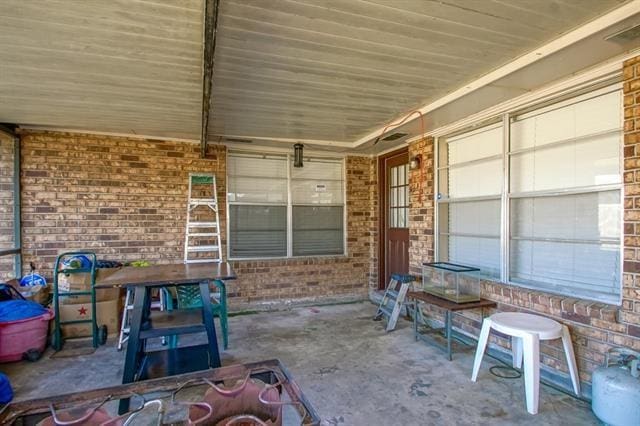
(616, 388)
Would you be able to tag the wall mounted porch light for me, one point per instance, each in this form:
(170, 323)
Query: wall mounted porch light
(297, 155)
(415, 162)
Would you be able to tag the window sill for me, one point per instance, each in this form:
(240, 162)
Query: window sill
(292, 258)
(582, 311)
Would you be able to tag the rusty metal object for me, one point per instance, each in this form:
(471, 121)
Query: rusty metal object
(267, 385)
(251, 397)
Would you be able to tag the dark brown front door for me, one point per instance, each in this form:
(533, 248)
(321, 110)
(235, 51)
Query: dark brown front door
(394, 187)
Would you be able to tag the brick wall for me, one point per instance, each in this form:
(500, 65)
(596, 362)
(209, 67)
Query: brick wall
(123, 198)
(630, 311)
(6, 204)
(329, 277)
(595, 327)
(126, 199)
(421, 203)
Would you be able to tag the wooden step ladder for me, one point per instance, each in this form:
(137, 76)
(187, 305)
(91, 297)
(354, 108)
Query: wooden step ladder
(202, 235)
(393, 299)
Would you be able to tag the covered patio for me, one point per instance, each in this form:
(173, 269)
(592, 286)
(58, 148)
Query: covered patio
(267, 169)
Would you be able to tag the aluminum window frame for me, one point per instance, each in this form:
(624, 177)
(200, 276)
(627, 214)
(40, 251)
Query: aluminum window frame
(507, 196)
(290, 205)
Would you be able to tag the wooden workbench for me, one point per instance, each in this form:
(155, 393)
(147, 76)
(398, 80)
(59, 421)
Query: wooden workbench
(140, 365)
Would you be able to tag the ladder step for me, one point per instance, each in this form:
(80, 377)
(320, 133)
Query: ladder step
(202, 248)
(385, 310)
(391, 303)
(203, 224)
(202, 260)
(392, 294)
(203, 234)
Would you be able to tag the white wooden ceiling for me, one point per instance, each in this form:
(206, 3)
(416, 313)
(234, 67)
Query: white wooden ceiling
(338, 69)
(126, 66)
(323, 70)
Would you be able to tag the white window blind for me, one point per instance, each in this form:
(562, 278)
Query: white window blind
(318, 182)
(257, 179)
(318, 230)
(257, 231)
(317, 192)
(257, 196)
(470, 186)
(269, 200)
(565, 198)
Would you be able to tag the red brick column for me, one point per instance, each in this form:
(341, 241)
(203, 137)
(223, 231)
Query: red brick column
(630, 311)
(421, 205)
(6, 205)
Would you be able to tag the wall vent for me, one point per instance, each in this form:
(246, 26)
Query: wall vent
(625, 36)
(238, 140)
(394, 136)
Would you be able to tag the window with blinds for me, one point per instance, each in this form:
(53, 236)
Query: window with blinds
(470, 187)
(565, 197)
(258, 198)
(277, 210)
(554, 222)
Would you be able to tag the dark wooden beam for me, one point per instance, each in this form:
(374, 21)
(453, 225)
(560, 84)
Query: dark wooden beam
(9, 129)
(210, 29)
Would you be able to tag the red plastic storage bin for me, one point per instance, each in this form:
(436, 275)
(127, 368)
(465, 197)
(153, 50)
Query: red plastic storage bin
(17, 337)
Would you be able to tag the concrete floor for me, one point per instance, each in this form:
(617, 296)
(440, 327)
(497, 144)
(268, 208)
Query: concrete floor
(352, 371)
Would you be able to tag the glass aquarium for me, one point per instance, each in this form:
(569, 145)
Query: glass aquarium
(451, 281)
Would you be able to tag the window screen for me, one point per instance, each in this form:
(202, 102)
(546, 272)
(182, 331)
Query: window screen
(570, 243)
(258, 231)
(318, 230)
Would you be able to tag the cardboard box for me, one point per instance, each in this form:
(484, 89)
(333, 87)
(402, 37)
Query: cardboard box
(108, 314)
(82, 282)
(36, 293)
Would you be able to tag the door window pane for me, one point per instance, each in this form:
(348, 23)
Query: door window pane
(398, 200)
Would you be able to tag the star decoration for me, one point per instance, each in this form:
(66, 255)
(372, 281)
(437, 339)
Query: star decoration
(82, 311)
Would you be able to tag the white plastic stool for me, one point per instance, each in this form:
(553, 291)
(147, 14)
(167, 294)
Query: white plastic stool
(526, 331)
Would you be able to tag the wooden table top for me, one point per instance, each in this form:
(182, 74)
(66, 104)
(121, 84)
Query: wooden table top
(174, 274)
(448, 304)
